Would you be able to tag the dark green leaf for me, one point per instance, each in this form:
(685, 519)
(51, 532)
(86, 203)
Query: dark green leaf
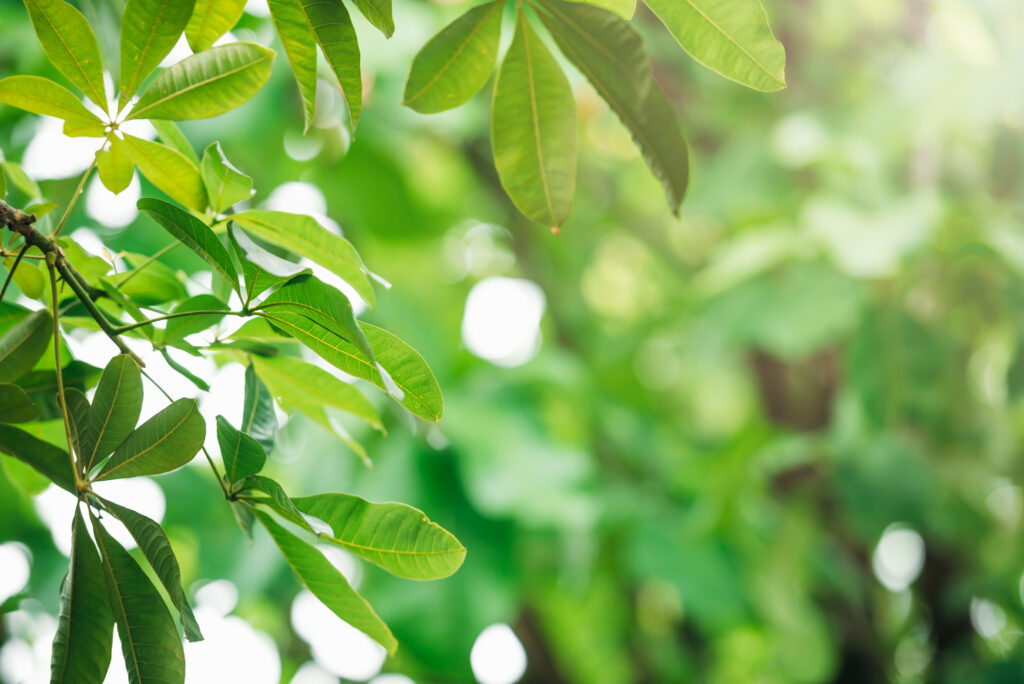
(85, 626)
(194, 234)
(23, 345)
(149, 29)
(454, 65)
(208, 84)
(79, 415)
(533, 129)
(70, 45)
(242, 454)
(157, 549)
(302, 235)
(51, 461)
(149, 640)
(15, 406)
(185, 372)
(41, 386)
(211, 20)
(179, 328)
(168, 440)
(225, 185)
(258, 418)
(398, 538)
(611, 55)
(327, 584)
(115, 410)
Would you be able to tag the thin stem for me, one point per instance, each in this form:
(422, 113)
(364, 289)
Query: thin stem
(74, 198)
(202, 312)
(209, 459)
(101, 320)
(146, 263)
(61, 398)
(10, 273)
(5, 253)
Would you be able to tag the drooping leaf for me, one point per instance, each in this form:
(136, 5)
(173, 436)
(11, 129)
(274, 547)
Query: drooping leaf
(207, 84)
(308, 296)
(170, 134)
(157, 549)
(258, 418)
(185, 372)
(179, 328)
(115, 409)
(242, 454)
(149, 29)
(168, 440)
(378, 13)
(42, 96)
(302, 234)
(300, 46)
(85, 625)
(15, 406)
(49, 460)
(398, 538)
(278, 500)
(194, 234)
(454, 65)
(115, 165)
(149, 640)
(533, 129)
(23, 345)
(327, 584)
(611, 55)
(70, 45)
(731, 37)
(210, 20)
(412, 382)
(310, 389)
(169, 170)
(225, 185)
(334, 33)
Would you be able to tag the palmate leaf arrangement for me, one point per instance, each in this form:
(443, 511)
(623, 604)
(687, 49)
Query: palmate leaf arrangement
(64, 438)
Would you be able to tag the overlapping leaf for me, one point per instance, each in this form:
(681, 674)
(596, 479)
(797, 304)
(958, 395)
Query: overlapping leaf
(194, 233)
(168, 440)
(225, 185)
(169, 170)
(42, 96)
(115, 410)
(258, 418)
(149, 29)
(70, 45)
(23, 345)
(242, 455)
(47, 459)
(210, 20)
(15, 406)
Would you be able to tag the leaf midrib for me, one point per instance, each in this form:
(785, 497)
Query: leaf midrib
(732, 40)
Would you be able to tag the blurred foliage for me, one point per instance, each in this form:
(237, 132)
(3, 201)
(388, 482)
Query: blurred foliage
(690, 480)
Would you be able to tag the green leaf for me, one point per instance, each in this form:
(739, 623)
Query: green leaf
(210, 20)
(169, 170)
(179, 328)
(157, 549)
(411, 381)
(302, 235)
(244, 517)
(41, 386)
(327, 584)
(378, 13)
(115, 410)
(731, 37)
(40, 209)
(21, 180)
(225, 185)
(454, 65)
(170, 134)
(300, 46)
(42, 96)
(258, 418)
(611, 55)
(15, 406)
(278, 500)
(208, 84)
(310, 389)
(70, 45)
(308, 296)
(115, 165)
(24, 344)
(398, 538)
(196, 235)
(624, 8)
(49, 460)
(28, 277)
(334, 33)
(261, 269)
(85, 625)
(168, 440)
(3, 183)
(129, 307)
(150, 282)
(242, 454)
(185, 372)
(149, 29)
(79, 415)
(533, 129)
(149, 640)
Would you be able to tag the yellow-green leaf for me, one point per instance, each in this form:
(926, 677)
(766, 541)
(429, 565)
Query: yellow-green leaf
(115, 165)
(169, 170)
(149, 29)
(42, 96)
(70, 44)
(210, 20)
